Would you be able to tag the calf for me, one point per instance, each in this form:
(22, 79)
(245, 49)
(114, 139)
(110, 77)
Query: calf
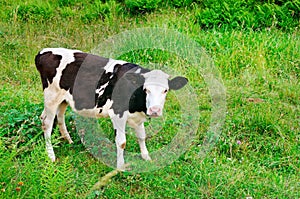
(100, 87)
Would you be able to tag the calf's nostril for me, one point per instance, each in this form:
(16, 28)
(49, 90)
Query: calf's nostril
(155, 110)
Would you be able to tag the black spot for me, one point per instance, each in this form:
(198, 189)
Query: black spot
(70, 72)
(128, 93)
(121, 85)
(90, 72)
(46, 64)
(120, 70)
(105, 78)
(137, 101)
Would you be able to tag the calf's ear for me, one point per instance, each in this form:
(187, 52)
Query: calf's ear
(177, 83)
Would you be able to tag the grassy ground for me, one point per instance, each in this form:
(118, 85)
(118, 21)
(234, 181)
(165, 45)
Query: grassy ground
(257, 153)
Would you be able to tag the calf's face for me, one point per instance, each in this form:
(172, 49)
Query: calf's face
(155, 99)
(156, 87)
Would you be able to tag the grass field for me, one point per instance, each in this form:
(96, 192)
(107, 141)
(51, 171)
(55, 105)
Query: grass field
(256, 155)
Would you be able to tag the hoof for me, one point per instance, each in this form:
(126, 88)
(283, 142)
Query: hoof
(146, 157)
(52, 159)
(70, 141)
(124, 167)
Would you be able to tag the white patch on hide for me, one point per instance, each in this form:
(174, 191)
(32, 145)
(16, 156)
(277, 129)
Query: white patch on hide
(100, 90)
(111, 64)
(138, 71)
(136, 119)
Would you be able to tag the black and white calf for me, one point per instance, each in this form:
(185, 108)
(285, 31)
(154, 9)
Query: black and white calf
(99, 87)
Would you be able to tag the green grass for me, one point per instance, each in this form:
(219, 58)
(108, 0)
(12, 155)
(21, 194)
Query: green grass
(257, 153)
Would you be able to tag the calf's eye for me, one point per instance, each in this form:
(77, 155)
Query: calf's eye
(146, 90)
(165, 91)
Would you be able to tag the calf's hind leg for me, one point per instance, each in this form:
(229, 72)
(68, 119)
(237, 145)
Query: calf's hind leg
(47, 118)
(61, 121)
(52, 106)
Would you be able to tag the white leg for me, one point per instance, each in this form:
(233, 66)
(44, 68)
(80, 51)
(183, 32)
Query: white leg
(47, 118)
(121, 144)
(61, 121)
(119, 126)
(141, 135)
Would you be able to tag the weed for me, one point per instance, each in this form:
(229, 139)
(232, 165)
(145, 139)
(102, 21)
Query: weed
(95, 11)
(33, 12)
(253, 15)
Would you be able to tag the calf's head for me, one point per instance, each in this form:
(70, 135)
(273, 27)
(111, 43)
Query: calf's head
(156, 86)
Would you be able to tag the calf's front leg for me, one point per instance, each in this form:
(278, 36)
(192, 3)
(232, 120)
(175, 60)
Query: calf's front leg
(141, 135)
(119, 124)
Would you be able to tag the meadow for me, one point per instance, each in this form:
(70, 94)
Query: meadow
(256, 50)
